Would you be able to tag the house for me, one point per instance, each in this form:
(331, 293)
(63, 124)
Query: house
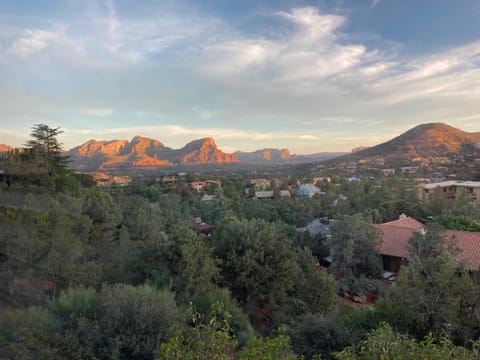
(101, 179)
(264, 195)
(409, 169)
(396, 235)
(200, 185)
(388, 172)
(316, 227)
(259, 184)
(451, 188)
(308, 190)
(207, 197)
(169, 180)
(354, 177)
(197, 225)
(321, 179)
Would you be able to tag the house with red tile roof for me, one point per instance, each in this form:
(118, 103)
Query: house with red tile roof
(396, 235)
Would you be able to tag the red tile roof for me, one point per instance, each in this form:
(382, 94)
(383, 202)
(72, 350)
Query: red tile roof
(396, 234)
(469, 245)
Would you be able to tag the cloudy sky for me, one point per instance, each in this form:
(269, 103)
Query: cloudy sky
(307, 75)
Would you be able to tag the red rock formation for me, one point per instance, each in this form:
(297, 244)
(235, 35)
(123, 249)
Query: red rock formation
(144, 152)
(5, 148)
(204, 151)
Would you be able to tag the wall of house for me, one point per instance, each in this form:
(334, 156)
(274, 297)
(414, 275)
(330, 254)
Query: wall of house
(391, 263)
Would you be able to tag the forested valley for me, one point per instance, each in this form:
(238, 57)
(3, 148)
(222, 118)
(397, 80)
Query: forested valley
(118, 272)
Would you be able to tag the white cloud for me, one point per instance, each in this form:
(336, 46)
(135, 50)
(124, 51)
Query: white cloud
(303, 67)
(97, 112)
(35, 40)
(312, 50)
(451, 73)
(106, 39)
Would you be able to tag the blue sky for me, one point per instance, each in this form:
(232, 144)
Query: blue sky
(325, 75)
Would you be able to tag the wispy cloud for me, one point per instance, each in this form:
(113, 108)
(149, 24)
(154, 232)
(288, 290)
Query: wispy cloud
(112, 40)
(305, 54)
(296, 68)
(97, 112)
(35, 40)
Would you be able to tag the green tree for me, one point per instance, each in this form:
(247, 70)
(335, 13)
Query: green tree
(314, 291)
(205, 339)
(430, 243)
(29, 334)
(385, 343)
(430, 294)
(258, 264)
(353, 245)
(135, 320)
(318, 334)
(44, 145)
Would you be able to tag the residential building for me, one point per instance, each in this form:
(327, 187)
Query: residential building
(261, 195)
(409, 169)
(308, 190)
(197, 225)
(396, 235)
(388, 172)
(207, 197)
(451, 188)
(200, 185)
(321, 179)
(170, 180)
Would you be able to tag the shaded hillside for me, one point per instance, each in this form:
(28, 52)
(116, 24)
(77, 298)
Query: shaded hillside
(273, 156)
(280, 156)
(427, 140)
(424, 141)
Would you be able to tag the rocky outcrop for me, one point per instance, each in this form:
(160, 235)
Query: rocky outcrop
(142, 152)
(5, 148)
(204, 151)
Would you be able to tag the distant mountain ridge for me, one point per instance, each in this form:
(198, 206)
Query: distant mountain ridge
(422, 142)
(264, 155)
(142, 152)
(281, 156)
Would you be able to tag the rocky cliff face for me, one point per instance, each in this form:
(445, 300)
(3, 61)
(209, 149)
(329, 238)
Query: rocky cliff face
(203, 151)
(5, 148)
(143, 152)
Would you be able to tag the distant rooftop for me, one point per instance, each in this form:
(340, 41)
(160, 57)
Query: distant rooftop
(451, 183)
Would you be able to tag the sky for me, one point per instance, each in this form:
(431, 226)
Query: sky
(310, 76)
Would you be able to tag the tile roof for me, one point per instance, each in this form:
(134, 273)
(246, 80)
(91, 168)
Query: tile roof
(396, 234)
(469, 245)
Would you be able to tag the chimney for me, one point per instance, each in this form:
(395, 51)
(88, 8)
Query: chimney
(402, 216)
(422, 231)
